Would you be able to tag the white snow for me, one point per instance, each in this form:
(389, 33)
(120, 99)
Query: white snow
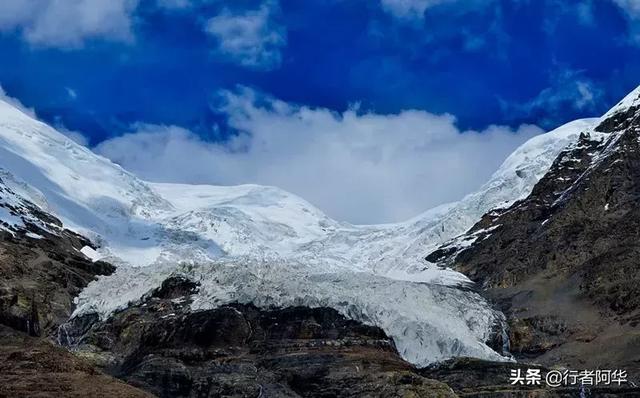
(16, 211)
(263, 245)
(11, 220)
(90, 253)
(631, 100)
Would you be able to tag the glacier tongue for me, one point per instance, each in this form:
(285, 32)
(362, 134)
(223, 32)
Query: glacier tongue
(263, 245)
(428, 322)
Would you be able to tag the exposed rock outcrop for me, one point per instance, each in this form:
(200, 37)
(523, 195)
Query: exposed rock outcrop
(563, 263)
(240, 350)
(40, 274)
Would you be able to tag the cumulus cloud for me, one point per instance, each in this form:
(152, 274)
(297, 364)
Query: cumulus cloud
(359, 167)
(250, 38)
(64, 23)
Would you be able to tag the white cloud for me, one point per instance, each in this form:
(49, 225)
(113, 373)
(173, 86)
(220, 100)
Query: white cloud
(585, 12)
(409, 9)
(631, 7)
(363, 168)
(68, 23)
(250, 38)
(16, 103)
(174, 4)
(567, 89)
(73, 135)
(412, 10)
(71, 93)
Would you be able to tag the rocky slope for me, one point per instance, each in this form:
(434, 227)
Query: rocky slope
(562, 263)
(240, 350)
(34, 367)
(41, 271)
(41, 267)
(161, 346)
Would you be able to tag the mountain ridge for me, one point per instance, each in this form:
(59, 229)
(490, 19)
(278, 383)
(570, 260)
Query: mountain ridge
(230, 256)
(561, 263)
(269, 247)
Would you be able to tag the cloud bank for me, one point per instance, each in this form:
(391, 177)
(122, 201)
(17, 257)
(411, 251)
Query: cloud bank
(357, 167)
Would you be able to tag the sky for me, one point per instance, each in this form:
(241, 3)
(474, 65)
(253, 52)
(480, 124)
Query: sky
(372, 110)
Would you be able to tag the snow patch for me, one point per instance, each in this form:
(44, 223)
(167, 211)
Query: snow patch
(90, 253)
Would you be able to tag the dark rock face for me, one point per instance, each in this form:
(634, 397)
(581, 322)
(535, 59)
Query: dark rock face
(242, 351)
(477, 378)
(239, 350)
(41, 268)
(39, 277)
(563, 263)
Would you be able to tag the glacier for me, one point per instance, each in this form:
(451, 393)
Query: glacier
(262, 245)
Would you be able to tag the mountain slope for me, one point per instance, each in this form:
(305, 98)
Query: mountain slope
(41, 271)
(563, 261)
(261, 245)
(397, 250)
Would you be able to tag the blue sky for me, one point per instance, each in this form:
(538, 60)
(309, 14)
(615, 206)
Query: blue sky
(182, 72)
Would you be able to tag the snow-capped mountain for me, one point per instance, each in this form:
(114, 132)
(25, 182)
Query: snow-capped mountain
(21, 216)
(261, 245)
(563, 262)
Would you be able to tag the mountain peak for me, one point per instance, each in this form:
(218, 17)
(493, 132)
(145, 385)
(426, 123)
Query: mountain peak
(261, 245)
(631, 100)
(566, 253)
(622, 114)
